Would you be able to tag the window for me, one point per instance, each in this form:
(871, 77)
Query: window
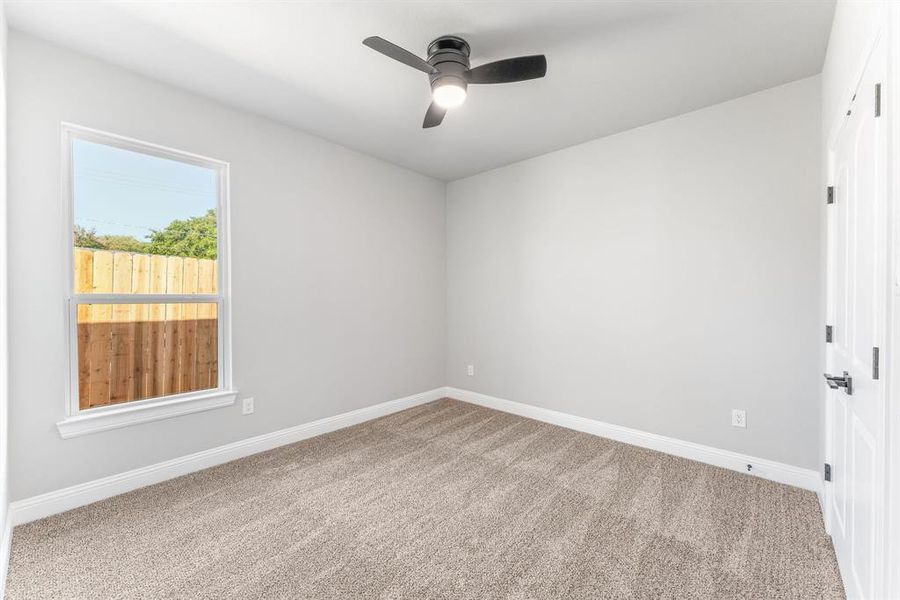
(148, 282)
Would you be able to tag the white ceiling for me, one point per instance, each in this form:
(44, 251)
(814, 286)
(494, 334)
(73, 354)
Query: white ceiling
(612, 66)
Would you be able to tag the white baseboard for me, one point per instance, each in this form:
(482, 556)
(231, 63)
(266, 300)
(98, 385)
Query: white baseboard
(44, 505)
(767, 469)
(51, 503)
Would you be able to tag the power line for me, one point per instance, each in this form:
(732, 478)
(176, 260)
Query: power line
(114, 223)
(142, 182)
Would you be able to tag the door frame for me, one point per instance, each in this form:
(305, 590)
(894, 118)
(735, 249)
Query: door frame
(888, 28)
(891, 112)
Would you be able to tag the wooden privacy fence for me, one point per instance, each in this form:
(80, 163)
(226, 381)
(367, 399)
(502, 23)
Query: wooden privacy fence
(131, 352)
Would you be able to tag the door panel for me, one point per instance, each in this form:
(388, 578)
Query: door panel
(863, 471)
(840, 227)
(857, 295)
(839, 495)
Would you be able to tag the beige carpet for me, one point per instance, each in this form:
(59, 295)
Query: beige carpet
(446, 500)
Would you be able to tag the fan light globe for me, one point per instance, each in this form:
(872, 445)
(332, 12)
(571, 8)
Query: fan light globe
(449, 94)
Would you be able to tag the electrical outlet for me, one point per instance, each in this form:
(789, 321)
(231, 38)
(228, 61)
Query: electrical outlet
(247, 407)
(738, 418)
(470, 370)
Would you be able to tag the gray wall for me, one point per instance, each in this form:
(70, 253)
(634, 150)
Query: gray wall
(654, 279)
(359, 320)
(4, 374)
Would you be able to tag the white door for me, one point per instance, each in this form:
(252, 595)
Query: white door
(857, 294)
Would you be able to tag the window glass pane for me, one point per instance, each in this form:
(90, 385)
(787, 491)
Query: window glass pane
(142, 224)
(129, 352)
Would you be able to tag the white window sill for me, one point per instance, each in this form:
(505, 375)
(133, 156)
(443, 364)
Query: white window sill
(123, 415)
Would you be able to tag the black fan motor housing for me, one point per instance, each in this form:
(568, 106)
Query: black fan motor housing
(449, 54)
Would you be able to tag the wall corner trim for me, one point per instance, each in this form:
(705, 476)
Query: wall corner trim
(807, 479)
(51, 503)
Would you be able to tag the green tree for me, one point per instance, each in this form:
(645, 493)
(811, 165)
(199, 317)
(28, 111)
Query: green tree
(88, 238)
(125, 243)
(194, 237)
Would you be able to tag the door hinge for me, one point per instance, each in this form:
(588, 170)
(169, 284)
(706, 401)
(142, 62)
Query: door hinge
(875, 363)
(827, 472)
(829, 196)
(829, 334)
(877, 99)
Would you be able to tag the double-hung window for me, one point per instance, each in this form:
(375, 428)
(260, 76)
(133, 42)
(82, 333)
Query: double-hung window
(148, 303)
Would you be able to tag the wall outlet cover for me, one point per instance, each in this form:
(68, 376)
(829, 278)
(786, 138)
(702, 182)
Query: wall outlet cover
(738, 418)
(247, 406)
(470, 370)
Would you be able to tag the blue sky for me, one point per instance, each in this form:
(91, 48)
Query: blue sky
(119, 192)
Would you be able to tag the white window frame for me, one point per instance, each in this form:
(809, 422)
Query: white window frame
(83, 421)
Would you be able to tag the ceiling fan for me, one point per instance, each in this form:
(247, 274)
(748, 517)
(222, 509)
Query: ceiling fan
(449, 73)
